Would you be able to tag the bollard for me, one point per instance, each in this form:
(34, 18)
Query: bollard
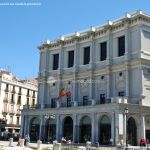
(21, 142)
(54, 143)
(39, 145)
(88, 144)
(57, 146)
(11, 142)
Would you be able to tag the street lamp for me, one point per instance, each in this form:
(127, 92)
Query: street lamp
(126, 111)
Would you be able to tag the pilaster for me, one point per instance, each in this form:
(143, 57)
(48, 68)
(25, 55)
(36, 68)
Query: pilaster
(142, 118)
(58, 127)
(93, 128)
(41, 127)
(75, 128)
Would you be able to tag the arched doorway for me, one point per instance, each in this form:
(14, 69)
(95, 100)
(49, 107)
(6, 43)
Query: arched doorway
(50, 130)
(68, 128)
(34, 129)
(85, 129)
(131, 132)
(105, 130)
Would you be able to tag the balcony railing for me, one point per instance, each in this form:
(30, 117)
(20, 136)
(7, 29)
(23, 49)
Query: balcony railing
(32, 106)
(59, 104)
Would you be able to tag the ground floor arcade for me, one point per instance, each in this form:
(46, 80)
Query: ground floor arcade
(106, 125)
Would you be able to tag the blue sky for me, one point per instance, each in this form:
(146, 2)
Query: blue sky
(23, 28)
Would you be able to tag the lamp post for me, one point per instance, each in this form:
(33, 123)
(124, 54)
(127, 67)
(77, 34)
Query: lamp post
(126, 111)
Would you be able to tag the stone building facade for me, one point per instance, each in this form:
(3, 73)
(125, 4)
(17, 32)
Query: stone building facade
(14, 93)
(87, 81)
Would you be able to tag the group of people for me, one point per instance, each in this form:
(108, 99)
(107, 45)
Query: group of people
(144, 142)
(26, 140)
(65, 141)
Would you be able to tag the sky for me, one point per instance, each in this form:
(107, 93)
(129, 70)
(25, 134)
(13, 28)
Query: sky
(25, 24)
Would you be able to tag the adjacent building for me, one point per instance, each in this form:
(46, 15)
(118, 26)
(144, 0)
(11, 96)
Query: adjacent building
(14, 93)
(94, 85)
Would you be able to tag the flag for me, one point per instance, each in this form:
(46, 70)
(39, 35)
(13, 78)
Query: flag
(68, 93)
(62, 92)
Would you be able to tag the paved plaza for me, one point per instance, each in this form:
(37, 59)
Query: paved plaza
(4, 145)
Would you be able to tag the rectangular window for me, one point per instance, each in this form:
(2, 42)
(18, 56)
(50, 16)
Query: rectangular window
(103, 51)
(17, 122)
(121, 94)
(19, 91)
(7, 87)
(28, 101)
(85, 100)
(55, 61)
(53, 103)
(102, 98)
(11, 120)
(19, 100)
(28, 93)
(33, 102)
(86, 55)
(12, 98)
(121, 46)
(70, 59)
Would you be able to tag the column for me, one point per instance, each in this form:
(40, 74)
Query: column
(92, 52)
(125, 129)
(61, 60)
(118, 127)
(22, 125)
(127, 41)
(109, 45)
(75, 84)
(58, 127)
(76, 63)
(108, 83)
(113, 128)
(25, 125)
(127, 81)
(41, 127)
(93, 128)
(92, 55)
(142, 117)
(76, 55)
(74, 128)
(96, 128)
(91, 86)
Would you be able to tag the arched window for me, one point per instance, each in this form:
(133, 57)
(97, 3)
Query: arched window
(68, 128)
(34, 129)
(104, 130)
(85, 129)
(131, 132)
(50, 130)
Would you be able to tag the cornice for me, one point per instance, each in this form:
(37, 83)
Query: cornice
(95, 32)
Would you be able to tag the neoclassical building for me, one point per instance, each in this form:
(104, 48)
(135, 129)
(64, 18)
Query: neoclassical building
(14, 93)
(94, 85)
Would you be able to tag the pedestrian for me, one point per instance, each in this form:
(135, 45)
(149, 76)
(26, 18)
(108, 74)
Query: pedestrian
(143, 142)
(27, 140)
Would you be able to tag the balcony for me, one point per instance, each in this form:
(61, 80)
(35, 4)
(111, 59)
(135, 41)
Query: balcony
(60, 104)
(119, 100)
(32, 106)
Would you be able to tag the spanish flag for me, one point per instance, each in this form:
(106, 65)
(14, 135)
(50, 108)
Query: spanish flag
(62, 92)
